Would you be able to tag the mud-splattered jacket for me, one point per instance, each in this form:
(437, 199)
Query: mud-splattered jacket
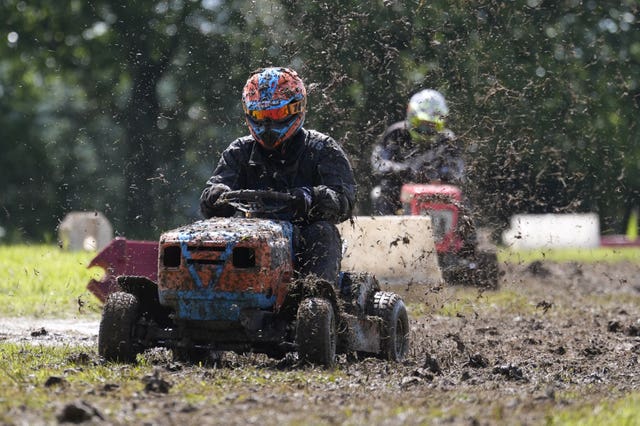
(310, 159)
(397, 157)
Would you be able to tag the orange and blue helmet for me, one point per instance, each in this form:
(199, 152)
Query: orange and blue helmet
(274, 102)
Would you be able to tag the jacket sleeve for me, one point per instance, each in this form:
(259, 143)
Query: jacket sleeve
(383, 157)
(335, 192)
(382, 164)
(228, 175)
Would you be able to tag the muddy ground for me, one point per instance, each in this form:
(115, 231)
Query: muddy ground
(556, 336)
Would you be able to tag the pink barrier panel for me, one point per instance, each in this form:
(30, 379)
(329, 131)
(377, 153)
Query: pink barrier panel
(124, 257)
(618, 241)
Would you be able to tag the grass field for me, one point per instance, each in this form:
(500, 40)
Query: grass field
(601, 254)
(45, 281)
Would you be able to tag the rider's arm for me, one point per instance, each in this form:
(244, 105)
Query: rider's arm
(226, 176)
(382, 164)
(335, 188)
(387, 157)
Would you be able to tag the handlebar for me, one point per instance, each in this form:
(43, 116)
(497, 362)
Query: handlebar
(257, 203)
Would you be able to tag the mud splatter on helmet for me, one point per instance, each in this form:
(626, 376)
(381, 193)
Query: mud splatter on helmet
(426, 114)
(274, 102)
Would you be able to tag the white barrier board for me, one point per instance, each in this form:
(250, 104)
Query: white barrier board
(532, 231)
(398, 250)
(85, 231)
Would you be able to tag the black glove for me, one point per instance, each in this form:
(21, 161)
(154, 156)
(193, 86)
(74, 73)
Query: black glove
(208, 199)
(302, 201)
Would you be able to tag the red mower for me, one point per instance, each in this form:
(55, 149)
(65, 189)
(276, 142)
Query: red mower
(460, 259)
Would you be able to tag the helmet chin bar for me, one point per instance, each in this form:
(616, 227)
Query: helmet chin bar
(272, 135)
(422, 139)
(269, 138)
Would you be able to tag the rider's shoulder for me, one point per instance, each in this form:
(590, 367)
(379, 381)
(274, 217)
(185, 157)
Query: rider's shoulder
(399, 127)
(241, 147)
(242, 141)
(319, 141)
(396, 133)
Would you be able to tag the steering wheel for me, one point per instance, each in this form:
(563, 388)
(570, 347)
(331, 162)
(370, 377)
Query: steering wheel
(257, 203)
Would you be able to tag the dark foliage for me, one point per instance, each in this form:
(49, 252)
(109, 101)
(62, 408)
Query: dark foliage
(124, 109)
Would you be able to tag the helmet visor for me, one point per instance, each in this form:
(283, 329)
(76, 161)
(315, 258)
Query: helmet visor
(276, 114)
(427, 128)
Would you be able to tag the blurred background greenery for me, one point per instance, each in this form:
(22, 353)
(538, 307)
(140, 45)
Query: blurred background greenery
(125, 107)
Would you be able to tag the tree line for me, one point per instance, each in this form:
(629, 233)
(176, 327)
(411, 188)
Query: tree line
(125, 108)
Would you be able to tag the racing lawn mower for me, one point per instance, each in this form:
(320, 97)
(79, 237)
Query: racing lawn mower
(228, 284)
(460, 259)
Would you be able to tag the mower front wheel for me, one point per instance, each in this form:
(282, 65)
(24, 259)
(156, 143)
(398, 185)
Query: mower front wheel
(316, 331)
(116, 341)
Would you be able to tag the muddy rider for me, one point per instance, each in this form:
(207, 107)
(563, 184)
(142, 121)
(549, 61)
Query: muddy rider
(281, 155)
(419, 149)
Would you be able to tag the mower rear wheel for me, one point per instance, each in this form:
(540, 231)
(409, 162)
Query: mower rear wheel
(116, 341)
(316, 331)
(394, 342)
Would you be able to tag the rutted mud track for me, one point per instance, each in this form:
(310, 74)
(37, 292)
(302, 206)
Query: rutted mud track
(46, 331)
(556, 335)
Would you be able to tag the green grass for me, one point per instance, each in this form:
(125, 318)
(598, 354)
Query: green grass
(45, 281)
(601, 254)
(462, 301)
(467, 300)
(622, 412)
(25, 369)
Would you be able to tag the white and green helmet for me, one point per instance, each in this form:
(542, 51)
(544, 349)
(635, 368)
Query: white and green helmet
(426, 114)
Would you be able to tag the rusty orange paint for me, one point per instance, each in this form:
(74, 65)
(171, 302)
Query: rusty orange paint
(228, 255)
